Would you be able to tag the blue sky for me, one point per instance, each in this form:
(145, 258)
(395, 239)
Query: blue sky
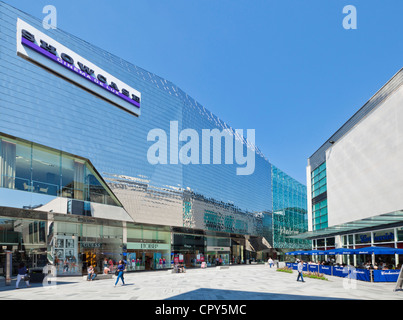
(287, 69)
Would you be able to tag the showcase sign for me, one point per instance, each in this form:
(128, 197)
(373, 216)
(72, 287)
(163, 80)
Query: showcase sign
(40, 49)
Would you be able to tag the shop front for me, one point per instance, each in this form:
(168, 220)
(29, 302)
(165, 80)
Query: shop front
(237, 250)
(148, 247)
(218, 256)
(25, 239)
(380, 238)
(387, 238)
(148, 256)
(218, 251)
(76, 246)
(188, 249)
(69, 243)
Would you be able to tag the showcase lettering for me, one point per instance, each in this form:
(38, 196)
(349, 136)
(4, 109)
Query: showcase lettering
(78, 67)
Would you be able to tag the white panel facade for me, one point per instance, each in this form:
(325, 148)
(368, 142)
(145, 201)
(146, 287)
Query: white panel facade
(365, 167)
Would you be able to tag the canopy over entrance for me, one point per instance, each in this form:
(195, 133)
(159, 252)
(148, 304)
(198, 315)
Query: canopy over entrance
(343, 251)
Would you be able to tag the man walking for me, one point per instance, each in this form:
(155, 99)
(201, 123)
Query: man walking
(300, 267)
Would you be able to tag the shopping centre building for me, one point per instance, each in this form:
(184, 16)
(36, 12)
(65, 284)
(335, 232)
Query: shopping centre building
(96, 163)
(355, 180)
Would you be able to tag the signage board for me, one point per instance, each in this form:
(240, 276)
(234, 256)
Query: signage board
(37, 47)
(218, 249)
(148, 246)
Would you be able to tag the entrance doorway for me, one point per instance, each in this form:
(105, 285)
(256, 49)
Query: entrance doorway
(89, 258)
(149, 256)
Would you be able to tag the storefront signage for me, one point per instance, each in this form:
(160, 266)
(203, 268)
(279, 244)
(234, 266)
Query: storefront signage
(384, 237)
(148, 246)
(53, 56)
(218, 248)
(378, 237)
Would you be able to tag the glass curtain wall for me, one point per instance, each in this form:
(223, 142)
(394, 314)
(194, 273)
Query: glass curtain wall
(289, 211)
(319, 198)
(29, 167)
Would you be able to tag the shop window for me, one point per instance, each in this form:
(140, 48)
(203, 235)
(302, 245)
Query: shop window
(112, 232)
(8, 164)
(29, 167)
(363, 238)
(45, 171)
(134, 234)
(97, 191)
(149, 234)
(350, 239)
(330, 242)
(91, 231)
(384, 236)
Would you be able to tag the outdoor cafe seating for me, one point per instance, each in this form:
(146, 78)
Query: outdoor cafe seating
(344, 271)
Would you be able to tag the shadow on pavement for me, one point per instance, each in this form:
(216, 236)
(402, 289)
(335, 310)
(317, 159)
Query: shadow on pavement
(216, 294)
(23, 286)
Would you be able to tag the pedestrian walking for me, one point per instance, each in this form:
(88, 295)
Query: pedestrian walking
(119, 272)
(270, 261)
(22, 275)
(300, 267)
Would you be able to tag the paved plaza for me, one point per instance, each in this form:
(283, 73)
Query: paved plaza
(246, 282)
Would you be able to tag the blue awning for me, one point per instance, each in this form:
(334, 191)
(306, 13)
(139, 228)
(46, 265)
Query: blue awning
(340, 251)
(298, 252)
(343, 251)
(317, 252)
(378, 250)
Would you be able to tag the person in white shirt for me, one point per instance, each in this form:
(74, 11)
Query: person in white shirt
(270, 261)
(300, 267)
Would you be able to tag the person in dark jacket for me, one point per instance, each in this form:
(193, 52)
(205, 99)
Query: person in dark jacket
(120, 269)
(22, 273)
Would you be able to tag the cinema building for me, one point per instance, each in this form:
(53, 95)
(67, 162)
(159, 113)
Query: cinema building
(93, 167)
(355, 180)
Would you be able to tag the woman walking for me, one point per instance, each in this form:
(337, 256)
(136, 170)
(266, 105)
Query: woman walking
(119, 271)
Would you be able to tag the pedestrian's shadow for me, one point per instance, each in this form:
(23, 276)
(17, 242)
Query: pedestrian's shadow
(11, 286)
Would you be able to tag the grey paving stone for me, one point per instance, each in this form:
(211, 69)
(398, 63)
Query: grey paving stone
(251, 282)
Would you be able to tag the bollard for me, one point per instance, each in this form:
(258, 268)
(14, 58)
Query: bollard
(9, 262)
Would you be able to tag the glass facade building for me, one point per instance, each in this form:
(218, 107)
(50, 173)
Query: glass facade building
(77, 184)
(319, 197)
(289, 211)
